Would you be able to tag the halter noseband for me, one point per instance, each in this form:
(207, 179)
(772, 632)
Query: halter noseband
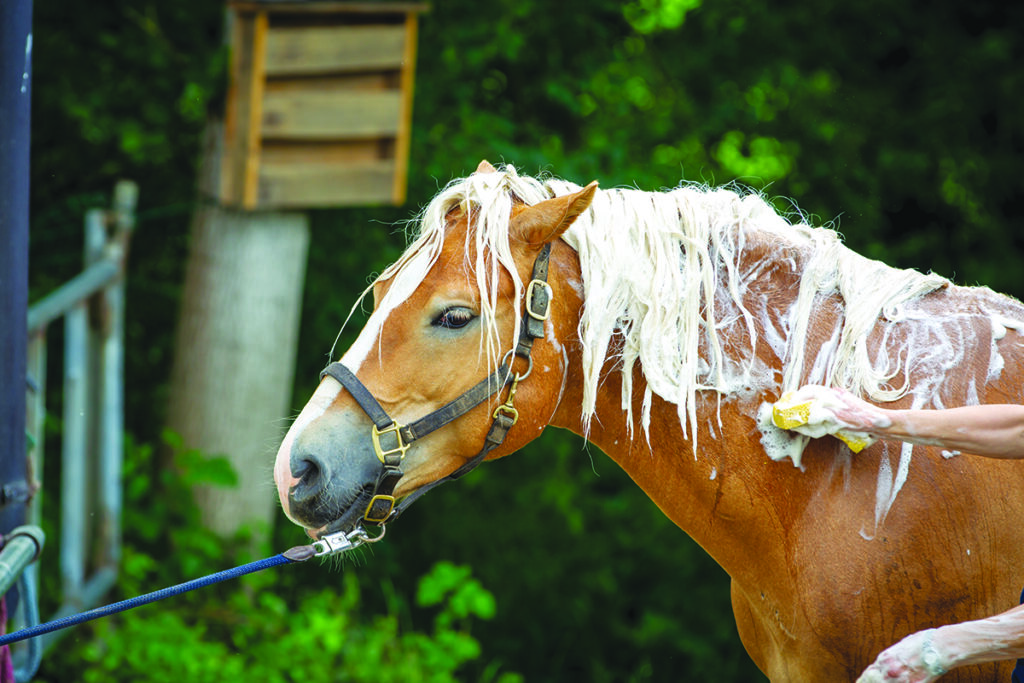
(382, 507)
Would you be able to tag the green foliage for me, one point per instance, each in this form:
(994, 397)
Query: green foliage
(258, 635)
(158, 511)
(453, 585)
(157, 646)
(648, 16)
(261, 636)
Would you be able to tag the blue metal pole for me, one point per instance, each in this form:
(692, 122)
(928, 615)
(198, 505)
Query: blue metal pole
(15, 94)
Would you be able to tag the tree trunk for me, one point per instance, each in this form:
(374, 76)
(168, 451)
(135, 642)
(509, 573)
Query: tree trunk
(235, 352)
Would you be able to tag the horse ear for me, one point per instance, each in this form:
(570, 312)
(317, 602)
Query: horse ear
(485, 167)
(547, 220)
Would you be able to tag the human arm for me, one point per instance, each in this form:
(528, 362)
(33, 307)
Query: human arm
(924, 656)
(995, 430)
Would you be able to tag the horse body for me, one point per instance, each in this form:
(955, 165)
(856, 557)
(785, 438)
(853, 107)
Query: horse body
(817, 589)
(831, 561)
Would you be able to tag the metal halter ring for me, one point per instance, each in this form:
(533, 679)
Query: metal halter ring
(529, 367)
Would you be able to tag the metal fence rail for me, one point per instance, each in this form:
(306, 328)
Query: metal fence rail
(92, 306)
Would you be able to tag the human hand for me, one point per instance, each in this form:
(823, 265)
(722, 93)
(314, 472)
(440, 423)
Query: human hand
(914, 659)
(845, 410)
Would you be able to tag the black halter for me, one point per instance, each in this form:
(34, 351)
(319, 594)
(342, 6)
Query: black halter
(382, 507)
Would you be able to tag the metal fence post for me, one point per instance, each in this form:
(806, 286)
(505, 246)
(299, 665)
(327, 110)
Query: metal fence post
(15, 132)
(73, 459)
(111, 441)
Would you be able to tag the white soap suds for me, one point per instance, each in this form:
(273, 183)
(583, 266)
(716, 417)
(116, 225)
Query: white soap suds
(779, 444)
(1000, 325)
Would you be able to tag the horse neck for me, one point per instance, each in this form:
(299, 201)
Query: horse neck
(725, 495)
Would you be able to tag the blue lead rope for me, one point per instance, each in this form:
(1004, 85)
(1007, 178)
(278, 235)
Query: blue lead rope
(297, 554)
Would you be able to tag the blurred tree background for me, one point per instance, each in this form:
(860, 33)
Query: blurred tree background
(899, 122)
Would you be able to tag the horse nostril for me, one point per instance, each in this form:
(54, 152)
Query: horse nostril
(305, 466)
(312, 474)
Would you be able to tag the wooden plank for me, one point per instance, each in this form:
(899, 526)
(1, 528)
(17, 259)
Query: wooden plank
(232, 166)
(280, 153)
(402, 139)
(331, 115)
(381, 80)
(332, 49)
(328, 7)
(240, 164)
(308, 185)
(259, 54)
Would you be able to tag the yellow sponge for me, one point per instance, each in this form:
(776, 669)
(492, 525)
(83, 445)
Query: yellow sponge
(787, 415)
(855, 440)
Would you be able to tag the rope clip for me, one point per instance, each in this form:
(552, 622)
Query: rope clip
(341, 541)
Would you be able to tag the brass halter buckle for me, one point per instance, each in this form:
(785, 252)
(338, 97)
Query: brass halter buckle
(400, 449)
(379, 509)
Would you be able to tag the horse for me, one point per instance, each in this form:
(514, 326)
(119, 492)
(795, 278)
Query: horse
(662, 326)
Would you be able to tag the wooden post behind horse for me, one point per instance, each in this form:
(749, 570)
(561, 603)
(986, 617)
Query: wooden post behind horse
(830, 562)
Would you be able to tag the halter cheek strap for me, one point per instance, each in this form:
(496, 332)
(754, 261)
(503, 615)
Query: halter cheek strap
(391, 440)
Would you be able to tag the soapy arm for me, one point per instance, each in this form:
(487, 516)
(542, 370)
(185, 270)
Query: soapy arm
(995, 431)
(926, 655)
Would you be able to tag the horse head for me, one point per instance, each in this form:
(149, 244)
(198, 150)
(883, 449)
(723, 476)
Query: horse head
(444, 342)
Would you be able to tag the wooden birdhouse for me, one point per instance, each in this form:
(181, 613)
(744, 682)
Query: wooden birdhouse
(320, 103)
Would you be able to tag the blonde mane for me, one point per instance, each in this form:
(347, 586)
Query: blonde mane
(652, 266)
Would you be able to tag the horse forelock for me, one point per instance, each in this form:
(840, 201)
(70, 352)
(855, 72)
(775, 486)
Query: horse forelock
(486, 201)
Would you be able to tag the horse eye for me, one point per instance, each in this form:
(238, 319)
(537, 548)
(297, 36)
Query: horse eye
(454, 318)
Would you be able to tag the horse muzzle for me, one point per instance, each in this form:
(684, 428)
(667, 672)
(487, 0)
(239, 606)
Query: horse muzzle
(333, 471)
